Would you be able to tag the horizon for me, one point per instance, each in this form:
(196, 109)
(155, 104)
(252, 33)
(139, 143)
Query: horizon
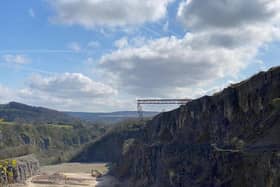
(168, 108)
(97, 112)
(83, 57)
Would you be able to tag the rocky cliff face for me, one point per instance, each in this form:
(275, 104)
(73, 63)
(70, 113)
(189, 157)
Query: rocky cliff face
(27, 166)
(50, 143)
(228, 139)
(110, 146)
(18, 170)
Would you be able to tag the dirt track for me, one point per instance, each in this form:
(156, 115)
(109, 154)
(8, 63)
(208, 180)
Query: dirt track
(62, 179)
(70, 175)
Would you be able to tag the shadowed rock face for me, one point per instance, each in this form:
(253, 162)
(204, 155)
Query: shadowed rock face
(110, 146)
(229, 139)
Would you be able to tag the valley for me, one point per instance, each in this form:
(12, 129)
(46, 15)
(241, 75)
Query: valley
(140, 93)
(227, 139)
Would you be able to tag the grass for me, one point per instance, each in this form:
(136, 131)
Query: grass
(62, 126)
(6, 123)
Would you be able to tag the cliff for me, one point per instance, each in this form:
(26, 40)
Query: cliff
(49, 142)
(27, 166)
(22, 168)
(109, 147)
(228, 139)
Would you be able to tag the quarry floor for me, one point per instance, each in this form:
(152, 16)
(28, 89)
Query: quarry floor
(70, 175)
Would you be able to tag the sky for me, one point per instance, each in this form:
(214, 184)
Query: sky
(101, 55)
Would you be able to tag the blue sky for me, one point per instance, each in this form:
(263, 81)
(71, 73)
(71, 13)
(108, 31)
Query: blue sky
(91, 55)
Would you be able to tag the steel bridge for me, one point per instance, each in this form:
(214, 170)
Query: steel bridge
(141, 102)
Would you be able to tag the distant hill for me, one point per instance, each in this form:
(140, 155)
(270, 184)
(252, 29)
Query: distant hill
(51, 135)
(19, 112)
(113, 117)
(14, 111)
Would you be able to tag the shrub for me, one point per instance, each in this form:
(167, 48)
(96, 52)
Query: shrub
(276, 103)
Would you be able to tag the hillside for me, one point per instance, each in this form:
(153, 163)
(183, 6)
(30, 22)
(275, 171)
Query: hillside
(51, 143)
(51, 135)
(14, 111)
(228, 139)
(110, 118)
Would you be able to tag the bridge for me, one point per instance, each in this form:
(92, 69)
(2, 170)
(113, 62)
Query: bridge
(141, 102)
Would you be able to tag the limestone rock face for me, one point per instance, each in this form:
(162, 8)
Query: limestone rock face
(229, 139)
(27, 166)
(18, 170)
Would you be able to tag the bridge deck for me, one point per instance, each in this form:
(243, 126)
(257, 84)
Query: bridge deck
(163, 101)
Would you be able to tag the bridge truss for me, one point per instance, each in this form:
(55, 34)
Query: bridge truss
(141, 102)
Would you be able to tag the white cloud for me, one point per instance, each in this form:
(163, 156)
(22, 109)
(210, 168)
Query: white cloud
(70, 85)
(31, 13)
(200, 14)
(163, 65)
(15, 59)
(74, 46)
(69, 104)
(212, 50)
(223, 38)
(121, 43)
(111, 13)
(67, 91)
(5, 94)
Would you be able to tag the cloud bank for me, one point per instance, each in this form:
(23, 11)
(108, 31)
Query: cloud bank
(108, 13)
(223, 38)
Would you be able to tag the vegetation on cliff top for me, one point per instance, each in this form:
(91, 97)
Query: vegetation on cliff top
(51, 143)
(53, 136)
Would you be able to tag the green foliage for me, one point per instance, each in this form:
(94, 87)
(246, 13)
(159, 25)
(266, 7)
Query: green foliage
(21, 113)
(129, 125)
(11, 152)
(127, 145)
(53, 136)
(276, 103)
(50, 142)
